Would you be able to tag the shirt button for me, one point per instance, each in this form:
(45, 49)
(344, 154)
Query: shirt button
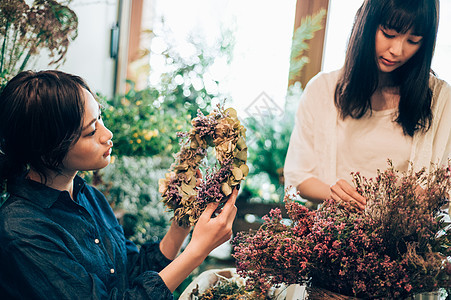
(96, 241)
(112, 271)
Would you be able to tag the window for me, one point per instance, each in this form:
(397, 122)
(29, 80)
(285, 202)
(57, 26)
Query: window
(263, 32)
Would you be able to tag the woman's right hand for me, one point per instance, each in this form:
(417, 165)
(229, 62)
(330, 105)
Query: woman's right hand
(210, 232)
(343, 191)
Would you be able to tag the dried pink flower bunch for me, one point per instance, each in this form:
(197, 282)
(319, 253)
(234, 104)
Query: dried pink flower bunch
(398, 246)
(180, 190)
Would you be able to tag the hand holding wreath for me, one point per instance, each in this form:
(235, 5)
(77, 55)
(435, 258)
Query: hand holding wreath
(222, 130)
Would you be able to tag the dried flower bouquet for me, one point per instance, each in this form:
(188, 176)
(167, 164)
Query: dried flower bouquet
(398, 246)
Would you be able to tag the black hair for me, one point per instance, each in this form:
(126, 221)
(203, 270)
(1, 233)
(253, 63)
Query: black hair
(359, 78)
(41, 116)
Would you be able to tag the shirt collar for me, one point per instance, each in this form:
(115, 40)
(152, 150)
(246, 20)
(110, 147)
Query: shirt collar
(39, 193)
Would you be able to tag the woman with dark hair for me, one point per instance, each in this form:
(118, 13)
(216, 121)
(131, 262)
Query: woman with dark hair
(59, 237)
(385, 103)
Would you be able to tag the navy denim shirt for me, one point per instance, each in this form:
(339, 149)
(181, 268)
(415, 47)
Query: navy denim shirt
(52, 247)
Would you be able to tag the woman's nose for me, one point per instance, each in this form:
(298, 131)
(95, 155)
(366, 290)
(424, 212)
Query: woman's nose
(107, 136)
(396, 47)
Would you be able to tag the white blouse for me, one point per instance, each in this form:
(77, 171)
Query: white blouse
(322, 146)
(367, 143)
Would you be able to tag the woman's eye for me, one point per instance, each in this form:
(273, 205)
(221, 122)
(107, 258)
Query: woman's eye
(92, 133)
(414, 42)
(389, 36)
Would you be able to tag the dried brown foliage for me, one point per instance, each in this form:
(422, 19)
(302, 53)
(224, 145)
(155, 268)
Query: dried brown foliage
(25, 30)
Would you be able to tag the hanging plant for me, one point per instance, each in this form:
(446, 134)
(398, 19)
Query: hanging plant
(25, 30)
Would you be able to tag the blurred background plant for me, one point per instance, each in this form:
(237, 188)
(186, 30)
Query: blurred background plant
(142, 126)
(145, 120)
(268, 144)
(26, 30)
(269, 135)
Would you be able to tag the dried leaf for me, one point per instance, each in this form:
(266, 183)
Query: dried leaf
(242, 155)
(226, 189)
(231, 112)
(237, 173)
(245, 169)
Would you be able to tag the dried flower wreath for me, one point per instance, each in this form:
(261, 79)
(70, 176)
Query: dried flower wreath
(180, 190)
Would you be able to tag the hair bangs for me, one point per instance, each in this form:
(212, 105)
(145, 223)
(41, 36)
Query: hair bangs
(402, 19)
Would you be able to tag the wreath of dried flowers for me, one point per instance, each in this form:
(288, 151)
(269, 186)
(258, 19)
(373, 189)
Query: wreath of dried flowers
(222, 130)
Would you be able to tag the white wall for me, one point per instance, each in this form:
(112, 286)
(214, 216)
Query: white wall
(441, 62)
(89, 55)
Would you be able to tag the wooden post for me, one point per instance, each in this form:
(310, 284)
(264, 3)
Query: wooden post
(124, 12)
(135, 30)
(141, 24)
(316, 45)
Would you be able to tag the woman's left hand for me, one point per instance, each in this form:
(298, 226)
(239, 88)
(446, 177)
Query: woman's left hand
(343, 191)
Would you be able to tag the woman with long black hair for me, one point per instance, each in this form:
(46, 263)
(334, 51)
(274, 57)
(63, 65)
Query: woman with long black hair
(385, 103)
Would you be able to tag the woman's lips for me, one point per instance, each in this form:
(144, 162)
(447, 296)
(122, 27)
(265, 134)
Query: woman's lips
(388, 62)
(107, 153)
